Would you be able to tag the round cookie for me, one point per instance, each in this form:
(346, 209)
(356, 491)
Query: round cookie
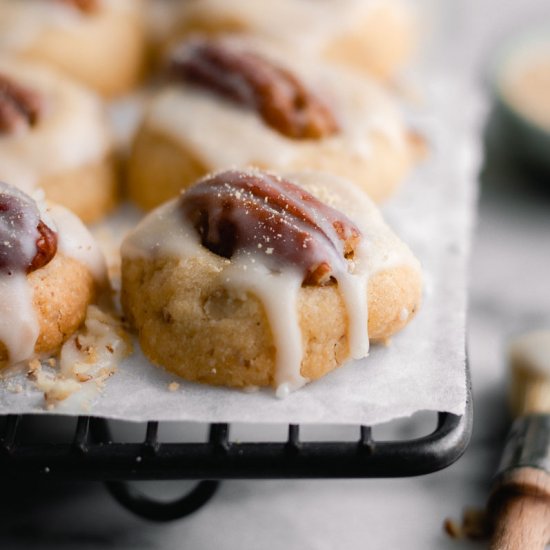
(234, 321)
(101, 43)
(376, 36)
(50, 271)
(238, 103)
(54, 134)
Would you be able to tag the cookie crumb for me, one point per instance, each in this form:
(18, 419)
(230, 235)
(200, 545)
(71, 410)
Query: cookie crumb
(34, 366)
(173, 386)
(475, 525)
(452, 528)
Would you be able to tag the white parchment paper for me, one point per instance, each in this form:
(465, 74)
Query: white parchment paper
(422, 369)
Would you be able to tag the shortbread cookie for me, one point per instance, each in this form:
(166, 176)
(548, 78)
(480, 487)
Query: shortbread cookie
(249, 280)
(237, 103)
(377, 36)
(54, 134)
(98, 42)
(50, 271)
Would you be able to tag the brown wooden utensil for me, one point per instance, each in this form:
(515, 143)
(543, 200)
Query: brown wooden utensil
(520, 501)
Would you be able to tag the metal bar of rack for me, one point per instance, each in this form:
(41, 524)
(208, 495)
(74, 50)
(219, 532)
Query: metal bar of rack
(93, 454)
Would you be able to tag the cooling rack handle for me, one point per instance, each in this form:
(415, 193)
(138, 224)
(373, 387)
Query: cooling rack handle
(142, 505)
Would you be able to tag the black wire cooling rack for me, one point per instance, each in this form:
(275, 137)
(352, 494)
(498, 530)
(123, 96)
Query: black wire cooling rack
(92, 453)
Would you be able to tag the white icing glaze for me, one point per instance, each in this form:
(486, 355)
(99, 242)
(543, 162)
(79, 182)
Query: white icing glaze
(22, 22)
(278, 293)
(164, 233)
(18, 325)
(71, 132)
(223, 134)
(75, 241)
(19, 329)
(300, 24)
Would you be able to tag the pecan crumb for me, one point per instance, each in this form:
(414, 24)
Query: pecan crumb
(34, 368)
(452, 528)
(46, 247)
(167, 317)
(77, 343)
(475, 525)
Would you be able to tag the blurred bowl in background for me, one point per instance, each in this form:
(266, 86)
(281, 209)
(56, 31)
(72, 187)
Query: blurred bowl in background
(520, 82)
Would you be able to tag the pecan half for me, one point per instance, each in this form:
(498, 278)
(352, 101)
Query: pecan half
(258, 213)
(86, 6)
(252, 81)
(26, 242)
(46, 247)
(20, 107)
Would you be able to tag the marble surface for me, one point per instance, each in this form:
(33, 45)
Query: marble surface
(509, 293)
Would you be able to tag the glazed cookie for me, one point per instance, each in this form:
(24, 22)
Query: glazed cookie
(236, 103)
(54, 134)
(249, 280)
(377, 36)
(98, 42)
(50, 271)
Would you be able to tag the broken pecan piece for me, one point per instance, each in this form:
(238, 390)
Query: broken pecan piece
(26, 242)
(20, 107)
(258, 213)
(253, 81)
(86, 6)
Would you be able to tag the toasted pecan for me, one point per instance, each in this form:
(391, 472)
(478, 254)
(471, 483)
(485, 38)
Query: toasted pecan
(20, 229)
(86, 6)
(46, 247)
(20, 107)
(258, 213)
(281, 99)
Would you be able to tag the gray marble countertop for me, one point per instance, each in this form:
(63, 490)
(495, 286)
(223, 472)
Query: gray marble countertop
(509, 293)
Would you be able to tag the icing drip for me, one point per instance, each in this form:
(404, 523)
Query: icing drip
(19, 328)
(353, 288)
(75, 241)
(278, 293)
(19, 219)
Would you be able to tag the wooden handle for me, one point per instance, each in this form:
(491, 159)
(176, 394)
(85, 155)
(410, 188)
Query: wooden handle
(522, 523)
